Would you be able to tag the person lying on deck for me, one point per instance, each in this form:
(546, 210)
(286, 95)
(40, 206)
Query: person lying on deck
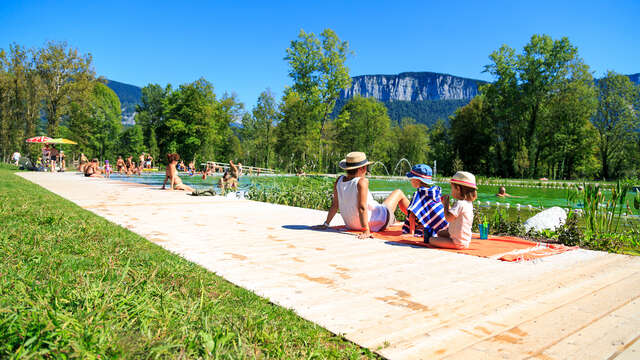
(357, 207)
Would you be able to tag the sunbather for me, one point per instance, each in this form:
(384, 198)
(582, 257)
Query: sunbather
(356, 204)
(172, 175)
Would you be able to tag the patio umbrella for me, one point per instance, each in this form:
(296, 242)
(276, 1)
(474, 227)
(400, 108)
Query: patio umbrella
(39, 139)
(61, 141)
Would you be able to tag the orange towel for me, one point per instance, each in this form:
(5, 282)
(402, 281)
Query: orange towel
(505, 248)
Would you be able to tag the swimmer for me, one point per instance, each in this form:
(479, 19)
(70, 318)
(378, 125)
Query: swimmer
(502, 192)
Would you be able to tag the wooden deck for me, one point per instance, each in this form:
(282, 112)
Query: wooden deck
(400, 301)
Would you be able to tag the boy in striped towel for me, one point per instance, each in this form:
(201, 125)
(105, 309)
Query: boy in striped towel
(425, 212)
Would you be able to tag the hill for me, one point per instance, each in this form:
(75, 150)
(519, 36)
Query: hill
(130, 96)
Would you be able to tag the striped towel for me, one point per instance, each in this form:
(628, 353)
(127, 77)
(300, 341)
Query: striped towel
(429, 212)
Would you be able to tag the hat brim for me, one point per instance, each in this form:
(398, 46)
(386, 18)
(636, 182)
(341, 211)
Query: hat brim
(411, 175)
(464, 183)
(343, 165)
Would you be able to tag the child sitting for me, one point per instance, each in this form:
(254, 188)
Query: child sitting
(460, 216)
(425, 205)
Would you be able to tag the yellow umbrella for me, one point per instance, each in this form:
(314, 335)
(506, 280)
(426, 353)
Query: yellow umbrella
(61, 141)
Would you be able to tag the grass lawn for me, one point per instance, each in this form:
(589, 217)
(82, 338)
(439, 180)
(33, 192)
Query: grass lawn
(73, 284)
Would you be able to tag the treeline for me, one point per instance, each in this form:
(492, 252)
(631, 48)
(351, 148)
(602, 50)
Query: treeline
(545, 116)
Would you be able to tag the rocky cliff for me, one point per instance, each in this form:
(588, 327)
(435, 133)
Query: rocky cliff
(412, 86)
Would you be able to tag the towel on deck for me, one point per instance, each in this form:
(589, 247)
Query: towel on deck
(429, 212)
(505, 248)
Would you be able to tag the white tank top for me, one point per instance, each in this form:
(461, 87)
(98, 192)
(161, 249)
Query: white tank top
(348, 204)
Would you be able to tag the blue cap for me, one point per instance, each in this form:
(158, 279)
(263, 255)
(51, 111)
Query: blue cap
(421, 172)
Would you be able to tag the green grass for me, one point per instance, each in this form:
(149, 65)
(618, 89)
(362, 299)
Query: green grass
(73, 285)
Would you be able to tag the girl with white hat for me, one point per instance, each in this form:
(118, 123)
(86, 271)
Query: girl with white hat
(460, 215)
(356, 204)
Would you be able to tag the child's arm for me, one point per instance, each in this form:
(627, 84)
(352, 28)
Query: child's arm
(363, 189)
(450, 214)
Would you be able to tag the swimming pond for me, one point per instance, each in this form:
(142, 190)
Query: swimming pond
(536, 197)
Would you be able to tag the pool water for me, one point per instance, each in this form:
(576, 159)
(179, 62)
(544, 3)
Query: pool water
(536, 197)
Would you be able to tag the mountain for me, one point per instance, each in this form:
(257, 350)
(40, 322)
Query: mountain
(635, 78)
(412, 86)
(424, 96)
(130, 96)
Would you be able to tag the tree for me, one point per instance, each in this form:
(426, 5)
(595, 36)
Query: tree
(566, 134)
(519, 101)
(616, 120)
(297, 134)
(441, 148)
(20, 100)
(265, 115)
(318, 70)
(411, 141)
(189, 121)
(150, 113)
(66, 77)
(95, 123)
(472, 135)
(132, 141)
(362, 125)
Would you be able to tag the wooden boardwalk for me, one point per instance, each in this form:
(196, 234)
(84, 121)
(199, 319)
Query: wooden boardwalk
(400, 301)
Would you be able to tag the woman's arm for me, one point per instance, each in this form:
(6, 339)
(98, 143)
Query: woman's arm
(363, 213)
(334, 204)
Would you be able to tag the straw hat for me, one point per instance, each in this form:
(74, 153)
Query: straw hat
(354, 160)
(465, 179)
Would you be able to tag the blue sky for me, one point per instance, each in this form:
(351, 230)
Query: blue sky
(239, 45)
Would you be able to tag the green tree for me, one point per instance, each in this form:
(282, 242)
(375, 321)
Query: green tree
(150, 113)
(317, 69)
(96, 123)
(616, 121)
(566, 135)
(363, 125)
(66, 77)
(265, 114)
(472, 135)
(411, 141)
(132, 141)
(297, 134)
(519, 101)
(441, 147)
(20, 100)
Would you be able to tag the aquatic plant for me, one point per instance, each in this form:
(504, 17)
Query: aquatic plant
(603, 215)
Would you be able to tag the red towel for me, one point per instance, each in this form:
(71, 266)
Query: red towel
(505, 248)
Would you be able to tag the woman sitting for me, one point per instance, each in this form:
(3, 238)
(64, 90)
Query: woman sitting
(352, 197)
(172, 175)
(91, 169)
